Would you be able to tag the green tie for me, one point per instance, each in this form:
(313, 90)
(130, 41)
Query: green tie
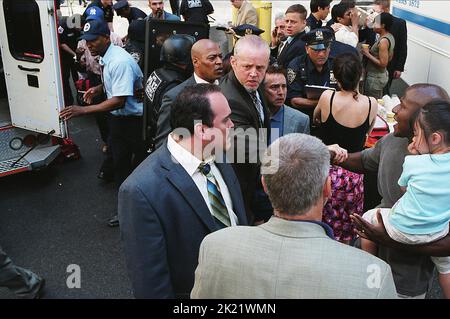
(219, 209)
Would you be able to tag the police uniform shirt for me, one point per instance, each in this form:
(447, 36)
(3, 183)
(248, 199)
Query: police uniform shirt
(301, 71)
(69, 37)
(136, 14)
(107, 11)
(313, 23)
(196, 10)
(122, 77)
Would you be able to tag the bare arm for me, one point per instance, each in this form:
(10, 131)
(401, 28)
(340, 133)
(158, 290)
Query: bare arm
(383, 59)
(377, 233)
(354, 163)
(302, 103)
(110, 104)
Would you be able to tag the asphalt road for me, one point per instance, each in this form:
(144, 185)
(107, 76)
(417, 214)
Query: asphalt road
(56, 217)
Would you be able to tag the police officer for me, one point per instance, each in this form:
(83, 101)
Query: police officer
(122, 82)
(312, 68)
(69, 33)
(106, 7)
(177, 67)
(123, 9)
(196, 10)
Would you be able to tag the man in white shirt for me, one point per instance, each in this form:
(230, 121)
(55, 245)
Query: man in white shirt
(346, 23)
(208, 68)
(178, 195)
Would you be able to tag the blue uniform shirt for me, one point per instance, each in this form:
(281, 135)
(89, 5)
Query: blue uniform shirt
(122, 77)
(301, 71)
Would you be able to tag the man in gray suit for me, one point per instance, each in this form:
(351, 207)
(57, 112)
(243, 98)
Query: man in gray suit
(284, 118)
(208, 68)
(293, 255)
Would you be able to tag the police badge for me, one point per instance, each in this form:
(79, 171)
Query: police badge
(291, 75)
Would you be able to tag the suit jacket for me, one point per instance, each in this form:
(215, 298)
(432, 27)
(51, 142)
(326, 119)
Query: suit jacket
(295, 121)
(400, 33)
(163, 218)
(287, 259)
(163, 127)
(292, 50)
(244, 115)
(246, 15)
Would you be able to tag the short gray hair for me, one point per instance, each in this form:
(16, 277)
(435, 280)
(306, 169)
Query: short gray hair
(303, 167)
(253, 42)
(279, 16)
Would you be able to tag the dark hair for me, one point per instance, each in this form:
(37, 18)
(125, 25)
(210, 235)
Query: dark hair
(347, 70)
(435, 117)
(351, 3)
(276, 69)
(339, 10)
(387, 20)
(193, 104)
(316, 4)
(298, 8)
(383, 3)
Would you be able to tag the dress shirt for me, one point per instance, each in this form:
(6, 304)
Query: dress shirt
(190, 163)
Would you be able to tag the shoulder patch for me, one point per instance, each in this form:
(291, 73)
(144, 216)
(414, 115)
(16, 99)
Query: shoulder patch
(152, 85)
(291, 75)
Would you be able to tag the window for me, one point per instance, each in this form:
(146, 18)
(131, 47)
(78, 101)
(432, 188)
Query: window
(23, 26)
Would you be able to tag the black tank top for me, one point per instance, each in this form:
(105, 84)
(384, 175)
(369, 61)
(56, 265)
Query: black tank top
(352, 139)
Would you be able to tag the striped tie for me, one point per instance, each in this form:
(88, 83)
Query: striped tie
(219, 209)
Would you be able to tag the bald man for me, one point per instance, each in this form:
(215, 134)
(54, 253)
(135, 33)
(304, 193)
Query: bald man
(207, 60)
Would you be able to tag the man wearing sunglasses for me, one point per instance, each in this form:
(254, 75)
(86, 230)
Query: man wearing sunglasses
(312, 68)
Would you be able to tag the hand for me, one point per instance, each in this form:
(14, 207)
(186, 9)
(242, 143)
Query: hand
(338, 154)
(139, 95)
(365, 51)
(376, 233)
(274, 41)
(397, 74)
(354, 16)
(336, 27)
(91, 93)
(72, 111)
(412, 149)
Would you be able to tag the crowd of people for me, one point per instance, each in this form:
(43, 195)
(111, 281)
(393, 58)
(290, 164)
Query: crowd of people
(253, 185)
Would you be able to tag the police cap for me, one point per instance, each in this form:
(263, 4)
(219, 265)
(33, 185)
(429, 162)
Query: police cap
(121, 4)
(318, 39)
(244, 29)
(93, 29)
(94, 13)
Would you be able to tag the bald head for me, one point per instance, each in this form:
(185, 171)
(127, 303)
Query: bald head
(425, 92)
(415, 97)
(207, 60)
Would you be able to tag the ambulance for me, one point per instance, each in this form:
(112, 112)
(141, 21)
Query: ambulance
(33, 95)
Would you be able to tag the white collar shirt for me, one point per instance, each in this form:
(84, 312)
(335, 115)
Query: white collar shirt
(190, 164)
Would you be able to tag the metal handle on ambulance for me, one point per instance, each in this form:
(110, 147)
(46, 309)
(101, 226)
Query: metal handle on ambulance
(28, 69)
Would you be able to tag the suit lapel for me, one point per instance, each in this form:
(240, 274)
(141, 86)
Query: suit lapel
(180, 179)
(233, 188)
(248, 102)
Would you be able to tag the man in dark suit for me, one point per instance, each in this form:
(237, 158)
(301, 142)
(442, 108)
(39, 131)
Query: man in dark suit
(295, 18)
(398, 29)
(180, 194)
(249, 113)
(208, 68)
